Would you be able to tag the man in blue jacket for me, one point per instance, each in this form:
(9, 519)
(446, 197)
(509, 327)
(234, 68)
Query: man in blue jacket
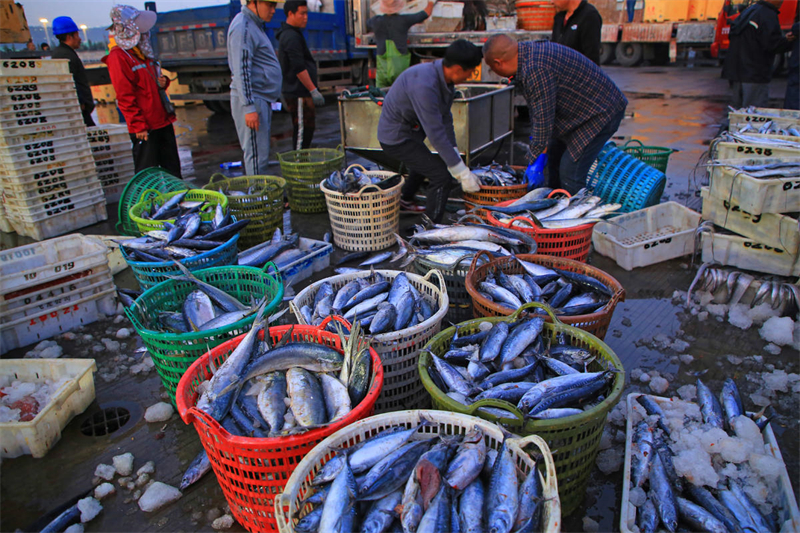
(418, 107)
(255, 82)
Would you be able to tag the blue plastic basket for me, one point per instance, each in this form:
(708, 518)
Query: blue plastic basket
(151, 274)
(618, 177)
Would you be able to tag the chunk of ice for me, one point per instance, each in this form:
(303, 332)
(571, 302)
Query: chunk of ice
(695, 465)
(104, 490)
(777, 381)
(778, 330)
(609, 461)
(74, 528)
(659, 385)
(733, 450)
(590, 526)
(738, 316)
(89, 508)
(637, 496)
(105, 471)
(760, 313)
(159, 412)
(157, 496)
(772, 349)
(687, 392)
(123, 464)
(223, 522)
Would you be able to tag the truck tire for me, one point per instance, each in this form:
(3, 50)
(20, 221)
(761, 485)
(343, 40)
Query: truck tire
(606, 53)
(629, 54)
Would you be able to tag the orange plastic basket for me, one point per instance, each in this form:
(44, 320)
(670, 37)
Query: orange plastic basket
(253, 472)
(492, 195)
(573, 243)
(595, 323)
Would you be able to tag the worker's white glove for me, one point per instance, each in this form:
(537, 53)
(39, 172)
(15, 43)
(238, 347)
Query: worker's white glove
(319, 100)
(469, 181)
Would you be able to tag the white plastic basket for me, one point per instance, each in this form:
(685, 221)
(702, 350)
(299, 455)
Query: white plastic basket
(41, 262)
(23, 67)
(52, 100)
(61, 183)
(399, 350)
(773, 229)
(117, 150)
(744, 253)
(288, 508)
(648, 236)
(121, 173)
(305, 267)
(76, 156)
(783, 118)
(42, 179)
(43, 432)
(785, 496)
(53, 203)
(755, 195)
(57, 107)
(28, 79)
(22, 158)
(51, 134)
(107, 134)
(736, 150)
(38, 148)
(47, 226)
(32, 126)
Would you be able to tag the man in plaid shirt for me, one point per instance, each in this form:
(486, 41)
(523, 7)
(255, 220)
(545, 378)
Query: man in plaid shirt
(574, 107)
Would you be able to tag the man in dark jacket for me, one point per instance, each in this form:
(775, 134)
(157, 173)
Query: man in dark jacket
(69, 40)
(299, 89)
(756, 37)
(577, 25)
(792, 100)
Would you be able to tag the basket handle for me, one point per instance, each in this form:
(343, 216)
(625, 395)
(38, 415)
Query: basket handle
(550, 466)
(365, 187)
(559, 192)
(519, 419)
(535, 305)
(67, 391)
(330, 318)
(354, 165)
(272, 268)
(641, 144)
(217, 177)
(474, 264)
(439, 278)
(148, 194)
(340, 148)
(295, 311)
(520, 218)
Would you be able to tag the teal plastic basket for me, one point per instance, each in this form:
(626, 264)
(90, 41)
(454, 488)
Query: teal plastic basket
(618, 177)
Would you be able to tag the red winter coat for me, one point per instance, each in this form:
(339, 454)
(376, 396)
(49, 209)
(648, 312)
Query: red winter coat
(137, 91)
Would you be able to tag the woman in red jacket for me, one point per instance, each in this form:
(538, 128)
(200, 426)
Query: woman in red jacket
(140, 87)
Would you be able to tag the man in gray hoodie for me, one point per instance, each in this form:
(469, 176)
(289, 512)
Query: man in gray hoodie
(255, 82)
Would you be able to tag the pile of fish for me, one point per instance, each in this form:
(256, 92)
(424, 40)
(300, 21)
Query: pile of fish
(266, 390)
(768, 126)
(512, 362)
(401, 480)
(495, 175)
(769, 141)
(373, 302)
(354, 180)
(568, 293)
(256, 188)
(672, 499)
(778, 169)
(734, 284)
(281, 250)
(554, 213)
(186, 237)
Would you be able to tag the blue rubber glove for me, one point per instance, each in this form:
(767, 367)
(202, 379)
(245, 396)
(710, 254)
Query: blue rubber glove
(534, 174)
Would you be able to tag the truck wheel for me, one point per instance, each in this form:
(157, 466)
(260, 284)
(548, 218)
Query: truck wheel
(213, 105)
(629, 54)
(606, 53)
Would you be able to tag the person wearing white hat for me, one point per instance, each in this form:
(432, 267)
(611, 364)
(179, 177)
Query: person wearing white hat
(391, 38)
(141, 90)
(255, 82)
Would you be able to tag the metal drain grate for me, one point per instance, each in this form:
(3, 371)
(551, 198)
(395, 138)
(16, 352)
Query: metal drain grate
(105, 422)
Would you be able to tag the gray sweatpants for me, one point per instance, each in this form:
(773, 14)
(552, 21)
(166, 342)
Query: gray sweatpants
(255, 144)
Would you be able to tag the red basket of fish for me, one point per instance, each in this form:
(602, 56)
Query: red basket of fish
(588, 304)
(570, 243)
(251, 439)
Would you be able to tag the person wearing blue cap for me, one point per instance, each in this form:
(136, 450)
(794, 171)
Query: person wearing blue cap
(69, 40)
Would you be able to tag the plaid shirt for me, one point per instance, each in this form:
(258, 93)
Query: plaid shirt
(569, 97)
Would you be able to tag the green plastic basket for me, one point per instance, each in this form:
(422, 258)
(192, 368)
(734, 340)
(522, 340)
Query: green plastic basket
(655, 156)
(193, 195)
(264, 209)
(150, 178)
(573, 440)
(304, 170)
(173, 353)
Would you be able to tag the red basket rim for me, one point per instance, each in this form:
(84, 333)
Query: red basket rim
(190, 414)
(534, 230)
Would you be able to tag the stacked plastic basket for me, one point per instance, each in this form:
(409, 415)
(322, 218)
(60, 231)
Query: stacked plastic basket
(49, 185)
(113, 158)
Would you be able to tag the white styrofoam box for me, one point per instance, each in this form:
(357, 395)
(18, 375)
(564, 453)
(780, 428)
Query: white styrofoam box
(24, 67)
(38, 179)
(115, 149)
(51, 134)
(648, 236)
(446, 16)
(38, 300)
(501, 23)
(119, 173)
(28, 111)
(744, 253)
(30, 80)
(108, 134)
(5, 224)
(64, 151)
(736, 150)
(314, 262)
(39, 148)
(755, 195)
(782, 118)
(116, 261)
(46, 227)
(79, 155)
(774, 229)
(52, 100)
(43, 432)
(784, 498)
(41, 262)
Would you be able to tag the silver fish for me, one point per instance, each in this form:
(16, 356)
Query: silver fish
(699, 518)
(468, 462)
(376, 259)
(306, 397)
(337, 400)
(470, 508)
(502, 501)
(198, 309)
(199, 467)
(339, 501)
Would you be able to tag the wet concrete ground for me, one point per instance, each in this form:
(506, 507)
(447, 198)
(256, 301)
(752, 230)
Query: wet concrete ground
(676, 107)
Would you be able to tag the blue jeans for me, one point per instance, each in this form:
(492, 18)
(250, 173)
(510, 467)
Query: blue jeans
(565, 173)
